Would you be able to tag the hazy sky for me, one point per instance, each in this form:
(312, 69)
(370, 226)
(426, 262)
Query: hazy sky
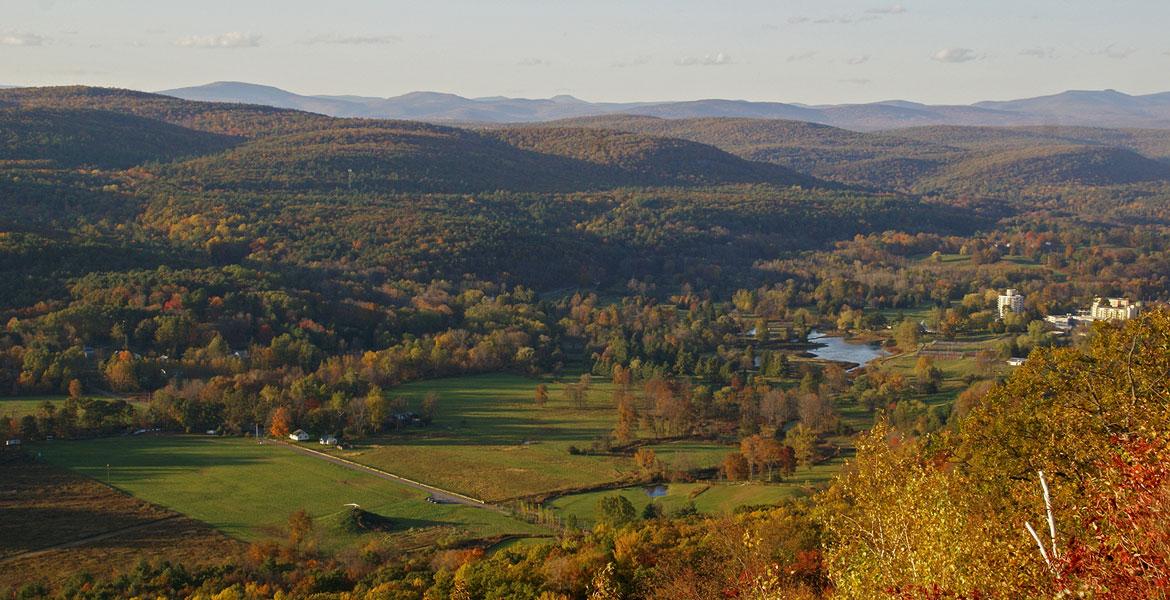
(938, 51)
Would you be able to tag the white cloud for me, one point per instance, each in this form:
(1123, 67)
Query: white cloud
(711, 60)
(857, 60)
(1111, 51)
(635, 61)
(955, 55)
(845, 19)
(796, 20)
(886, 10)
(11, 37)
(532, 62)
(1038, 52)
(337, 38)
(802, 56)
(233, 39)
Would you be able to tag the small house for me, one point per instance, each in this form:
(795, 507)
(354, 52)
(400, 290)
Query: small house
(12, 443)
(299, 436)
(1016, 361)
(328, 440)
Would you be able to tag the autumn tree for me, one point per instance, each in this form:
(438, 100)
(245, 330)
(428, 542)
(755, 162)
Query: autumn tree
(377, 407)
(627, 426)
(648, 461)
(120, 373)
(735, 466)
(75, 389)
(541, 397)
(281, 424)
(906, 335)
(803, 442)
(430, 407)
(300, 525)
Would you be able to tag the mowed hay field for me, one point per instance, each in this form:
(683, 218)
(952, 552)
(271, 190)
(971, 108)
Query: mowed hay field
(247, 490)
(44, 506)
(476, 445)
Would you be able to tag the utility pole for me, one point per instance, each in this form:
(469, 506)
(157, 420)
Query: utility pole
(350, 180)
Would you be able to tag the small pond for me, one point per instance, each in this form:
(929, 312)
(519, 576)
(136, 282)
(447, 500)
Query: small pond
(836, 348)
(655, 491)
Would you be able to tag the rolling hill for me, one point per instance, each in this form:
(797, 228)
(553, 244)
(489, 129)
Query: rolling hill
(806, 147)
(83, 137)
(1153, 143)
(1046, 166)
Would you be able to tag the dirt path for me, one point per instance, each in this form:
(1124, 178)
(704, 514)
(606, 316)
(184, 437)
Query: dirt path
(90, 539)
(440, 495)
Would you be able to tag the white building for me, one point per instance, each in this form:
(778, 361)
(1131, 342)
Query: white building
(299, 435)
(1113, 309)
(1011, 302)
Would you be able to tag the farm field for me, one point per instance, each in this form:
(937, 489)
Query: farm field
(477, 443)
(247, 490)
(46, 506)
(715, 498)
(19, 406)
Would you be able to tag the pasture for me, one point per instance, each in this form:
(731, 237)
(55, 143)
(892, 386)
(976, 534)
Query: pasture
(15, 407)
(247, 490)
(492, 442)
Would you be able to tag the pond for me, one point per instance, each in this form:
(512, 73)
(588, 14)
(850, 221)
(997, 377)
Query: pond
(655, 491)
(836, 348)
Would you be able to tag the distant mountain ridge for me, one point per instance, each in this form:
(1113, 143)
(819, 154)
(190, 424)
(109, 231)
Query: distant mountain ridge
(1106, 108)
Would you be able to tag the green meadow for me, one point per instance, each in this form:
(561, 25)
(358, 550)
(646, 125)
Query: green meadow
(18, 406)
(492, 442)
(247, 490)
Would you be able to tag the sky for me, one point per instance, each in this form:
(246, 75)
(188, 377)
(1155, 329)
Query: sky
(813, 52)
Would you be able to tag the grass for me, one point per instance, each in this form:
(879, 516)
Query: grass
(687, 455)
(713, 498)
(19, 406)
(476, 446)
(247, 490)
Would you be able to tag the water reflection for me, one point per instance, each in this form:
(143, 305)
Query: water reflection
(836, 348)
(655, 491)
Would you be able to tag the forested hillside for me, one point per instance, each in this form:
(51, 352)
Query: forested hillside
(84, 137)
(987, 161)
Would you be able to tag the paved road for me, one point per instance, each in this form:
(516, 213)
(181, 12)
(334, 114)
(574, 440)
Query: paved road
(442, 496)
(90, 539)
